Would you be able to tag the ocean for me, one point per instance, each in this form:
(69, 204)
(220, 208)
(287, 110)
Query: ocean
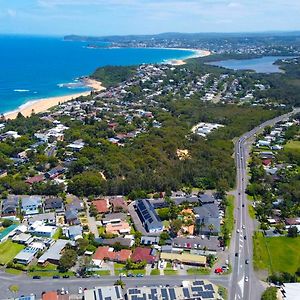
(38, 67)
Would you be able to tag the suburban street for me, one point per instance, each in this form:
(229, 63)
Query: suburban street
(28, 285)
(243, 282)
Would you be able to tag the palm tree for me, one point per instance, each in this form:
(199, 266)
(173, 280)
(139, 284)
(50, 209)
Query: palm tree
(211, 227)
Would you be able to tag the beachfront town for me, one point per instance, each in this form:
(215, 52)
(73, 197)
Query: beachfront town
(48, 230)
(232, 44)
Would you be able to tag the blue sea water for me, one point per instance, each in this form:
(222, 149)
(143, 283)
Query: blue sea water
(34, 67)
(263, 64)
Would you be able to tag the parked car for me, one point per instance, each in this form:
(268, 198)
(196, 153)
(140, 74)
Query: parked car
(80, 290)
(139, 275)
(55, 276)
(66, 276)
(36, 277)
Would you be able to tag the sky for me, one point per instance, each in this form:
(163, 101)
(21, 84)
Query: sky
(121, 17)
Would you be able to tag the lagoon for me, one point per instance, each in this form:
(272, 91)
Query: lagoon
(263, 64)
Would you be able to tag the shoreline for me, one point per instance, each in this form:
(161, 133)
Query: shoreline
(43, 104)
(180, 62)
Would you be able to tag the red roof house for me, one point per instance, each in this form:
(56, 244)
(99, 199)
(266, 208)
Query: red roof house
(35, 179)
(144, 254)
(118, 203)
(267, 162)
(106, 252)
(101, 205)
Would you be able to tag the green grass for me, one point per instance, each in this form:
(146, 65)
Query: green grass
(170, 272)
(135, 272)
(292, 146)
(8, 250)
(13, 271)
(229, 216)
(284, 253)
(101, 230)
(102, 272)
(48, 270)
(198, 271)
(223, 292)
(251, 211)
(57, 234)
(14, 288)
(155, 272)
(169, 265)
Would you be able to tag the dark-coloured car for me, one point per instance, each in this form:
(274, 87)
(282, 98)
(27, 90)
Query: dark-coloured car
(55, 276)
(66, 276)
(36, 277)
(245, 237)
(247, 261)
(236, 254)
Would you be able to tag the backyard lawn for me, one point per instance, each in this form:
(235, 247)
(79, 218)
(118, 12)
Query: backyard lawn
(8, 250)
(284, 253)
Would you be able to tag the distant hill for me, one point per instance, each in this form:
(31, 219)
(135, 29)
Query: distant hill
(178, 35)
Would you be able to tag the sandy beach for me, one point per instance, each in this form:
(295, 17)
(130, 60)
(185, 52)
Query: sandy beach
(198, 53)
(42, 105)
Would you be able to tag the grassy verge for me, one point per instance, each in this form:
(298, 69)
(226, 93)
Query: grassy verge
(198, 271)
(13, 271)
(170, 272)
(251, 211)
(276, 254)
(155, 272)
(229, 218)
(223, 292)
(8, 250)
(102, 272)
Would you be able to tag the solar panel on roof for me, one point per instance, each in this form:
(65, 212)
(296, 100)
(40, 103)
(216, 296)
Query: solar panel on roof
(164, 294)
(209, 287)
(186, 292)
(172, 294)
(207, 295)
(198, 282)
(117, 292)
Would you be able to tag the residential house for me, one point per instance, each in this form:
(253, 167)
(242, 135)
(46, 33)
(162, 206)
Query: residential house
(31, 204)
(47, 218)
(107, 253)
(148, 216)
(10, 205)
(71, 217)
(118, 228)
(54, 204)
(75, 232)
(113, 218)
(26, 256)
(118, 204)
(53, 254)
(207, 218)
(144, 254)
(101, 205)
(113, 292)
(55, 172)
(149, 240)
(38, 228)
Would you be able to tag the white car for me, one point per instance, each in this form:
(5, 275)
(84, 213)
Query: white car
(243, 227)
(237, 230)
(80, 290)
(246, 279)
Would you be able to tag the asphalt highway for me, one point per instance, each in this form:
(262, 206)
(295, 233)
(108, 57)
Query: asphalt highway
(244, 283)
